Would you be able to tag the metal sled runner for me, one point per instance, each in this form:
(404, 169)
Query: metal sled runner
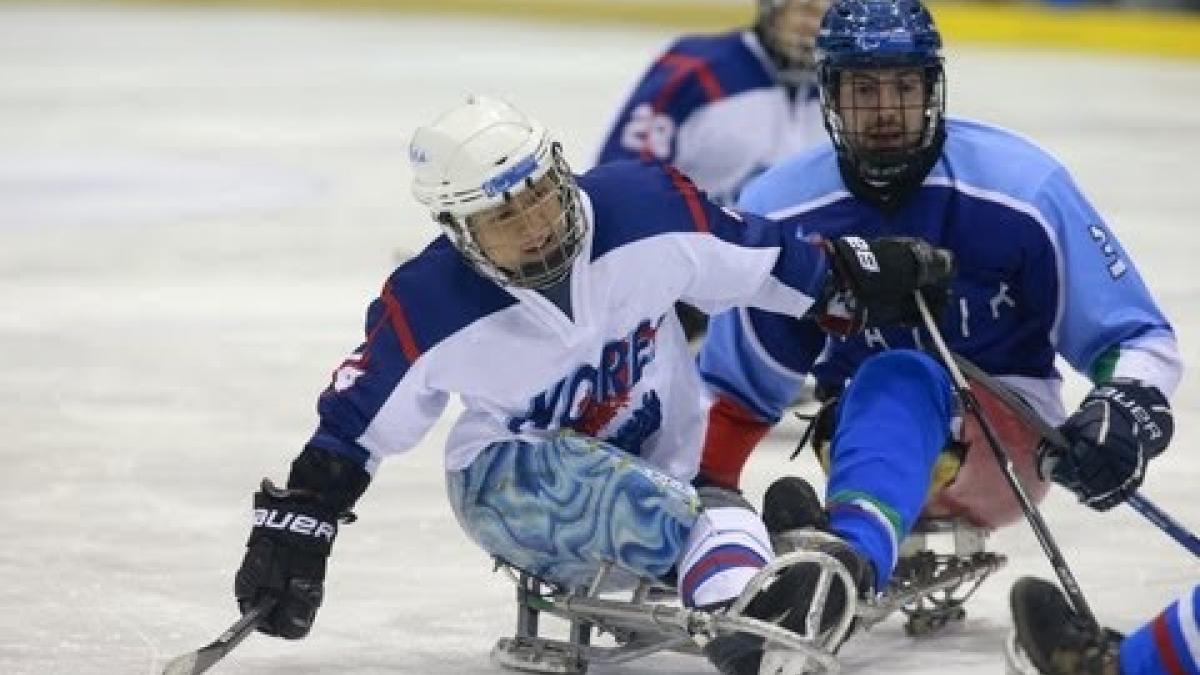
(929, 588)
(650, 622)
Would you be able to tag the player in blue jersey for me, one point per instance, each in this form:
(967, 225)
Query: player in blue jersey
(724, 108)
(1040, 274)
(1055, 641)
(546, 308)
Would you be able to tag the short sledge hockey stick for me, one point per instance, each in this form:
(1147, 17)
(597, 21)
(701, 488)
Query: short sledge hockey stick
(194, 663)
(1036, 522)
(1165, 523)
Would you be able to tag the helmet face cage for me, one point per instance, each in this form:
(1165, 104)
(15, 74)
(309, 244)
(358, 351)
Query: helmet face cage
(547, 206)
(883, 122)
(788, 32)
(880, 120)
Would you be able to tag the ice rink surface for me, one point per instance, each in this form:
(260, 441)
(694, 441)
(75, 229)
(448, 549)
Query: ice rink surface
(195, 208)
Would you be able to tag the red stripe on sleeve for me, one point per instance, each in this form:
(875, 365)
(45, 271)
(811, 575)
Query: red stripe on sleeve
(399, 321)
(689, 65)
(1167, 654)
(692, 197)
(682, 67)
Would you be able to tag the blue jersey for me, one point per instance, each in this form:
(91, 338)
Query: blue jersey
(712, 106)
(1039, 273)
(617, 368)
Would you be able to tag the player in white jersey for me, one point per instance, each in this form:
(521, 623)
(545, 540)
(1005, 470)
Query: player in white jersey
(724, 108)
(546, 307)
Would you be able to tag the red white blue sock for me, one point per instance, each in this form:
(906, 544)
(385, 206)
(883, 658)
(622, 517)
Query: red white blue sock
(725, 549)
(1168, 645)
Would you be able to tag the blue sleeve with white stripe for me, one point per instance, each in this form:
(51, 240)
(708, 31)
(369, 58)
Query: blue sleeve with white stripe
(1168, 645)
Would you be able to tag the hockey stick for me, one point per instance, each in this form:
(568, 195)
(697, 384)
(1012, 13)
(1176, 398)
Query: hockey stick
(1165, 523)
(1053, 437)
(194, 663)
(1040, 530)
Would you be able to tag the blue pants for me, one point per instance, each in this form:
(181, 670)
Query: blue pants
(559, 509)
(893, 421)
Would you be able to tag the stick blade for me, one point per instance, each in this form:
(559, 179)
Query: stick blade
(194, 663)
(184, 664)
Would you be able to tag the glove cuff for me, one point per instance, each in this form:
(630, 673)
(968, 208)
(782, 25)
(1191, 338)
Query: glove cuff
(336, 481)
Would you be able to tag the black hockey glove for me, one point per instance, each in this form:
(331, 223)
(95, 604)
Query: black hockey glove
(1118, 428)
(872, 282)
(292, 535)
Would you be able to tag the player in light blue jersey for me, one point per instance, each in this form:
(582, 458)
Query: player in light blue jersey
(546, 308)
(1054, 640)
(1040, 274)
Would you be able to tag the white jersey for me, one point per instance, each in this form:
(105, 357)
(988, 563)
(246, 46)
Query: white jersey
(617, 368)
(712, 106)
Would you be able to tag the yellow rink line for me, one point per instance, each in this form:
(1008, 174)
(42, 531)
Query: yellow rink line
(1126, 32)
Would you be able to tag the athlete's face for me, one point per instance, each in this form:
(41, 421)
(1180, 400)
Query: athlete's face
(792, 29)
(883, 109)
(527, 229)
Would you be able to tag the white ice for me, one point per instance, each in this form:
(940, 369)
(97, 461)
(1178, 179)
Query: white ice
(195, 206)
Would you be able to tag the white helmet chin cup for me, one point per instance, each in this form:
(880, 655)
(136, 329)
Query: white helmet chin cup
(475, 157)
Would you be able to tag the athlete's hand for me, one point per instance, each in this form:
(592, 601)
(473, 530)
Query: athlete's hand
(872, 283)
(293, 532)
(285, 559)
(1118, 428)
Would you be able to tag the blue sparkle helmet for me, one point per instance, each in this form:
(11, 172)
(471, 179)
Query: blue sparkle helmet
(882, 84)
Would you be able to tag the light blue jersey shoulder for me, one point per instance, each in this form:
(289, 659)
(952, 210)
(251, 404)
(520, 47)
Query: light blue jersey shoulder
(976, 155)
(1040, 272)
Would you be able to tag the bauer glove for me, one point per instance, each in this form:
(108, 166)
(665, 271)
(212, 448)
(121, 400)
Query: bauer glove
(1118, 428)
(872, 282)
(291, 538)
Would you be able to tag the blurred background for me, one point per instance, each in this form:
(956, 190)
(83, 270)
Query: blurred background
(1145, 26)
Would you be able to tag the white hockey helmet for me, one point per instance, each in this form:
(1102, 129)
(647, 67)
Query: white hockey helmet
(488, 171)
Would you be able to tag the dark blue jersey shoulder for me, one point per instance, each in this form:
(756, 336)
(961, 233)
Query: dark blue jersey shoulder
(727, 58)
(697, 70)
(436, 294)
(637, 199)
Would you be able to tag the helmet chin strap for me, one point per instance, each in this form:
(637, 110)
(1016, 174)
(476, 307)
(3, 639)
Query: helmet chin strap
(889, 193)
